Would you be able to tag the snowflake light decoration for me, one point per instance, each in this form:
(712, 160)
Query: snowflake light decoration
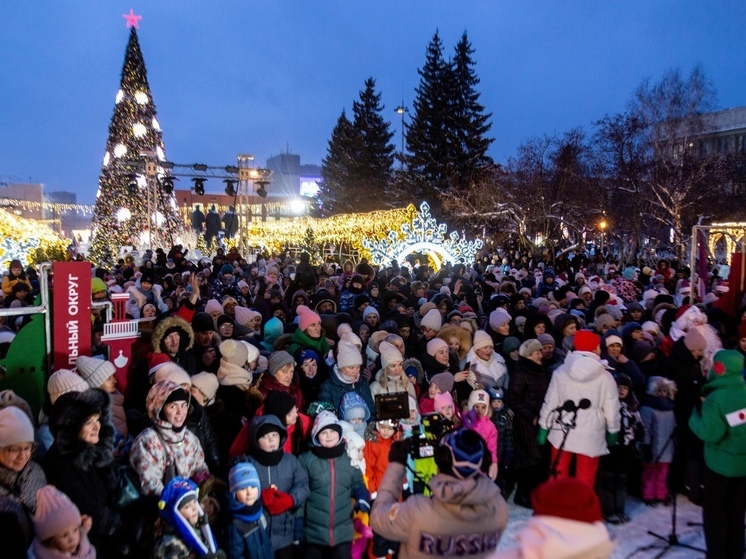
(425, 234)
(12, 249)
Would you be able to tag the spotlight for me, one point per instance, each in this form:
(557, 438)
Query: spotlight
(200, 167)
(167, 184)
(199, 185)
(261, 191)
(132, 185)
(230, 187)
(232, 169)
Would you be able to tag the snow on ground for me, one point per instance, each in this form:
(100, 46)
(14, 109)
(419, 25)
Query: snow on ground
(629, 537)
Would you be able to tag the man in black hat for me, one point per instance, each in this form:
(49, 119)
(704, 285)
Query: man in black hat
(206, 348)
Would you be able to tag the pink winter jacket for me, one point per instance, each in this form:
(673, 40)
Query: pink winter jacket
(488, 431)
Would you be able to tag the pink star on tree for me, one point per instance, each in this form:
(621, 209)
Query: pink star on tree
(132, 19)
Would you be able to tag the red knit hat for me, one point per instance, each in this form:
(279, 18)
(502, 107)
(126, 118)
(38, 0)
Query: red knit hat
(585, 340)
(567, 498)
(156, 361)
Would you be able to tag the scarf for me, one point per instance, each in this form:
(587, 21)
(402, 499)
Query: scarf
(233, 375)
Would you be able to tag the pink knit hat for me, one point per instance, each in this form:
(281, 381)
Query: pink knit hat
(55, 513)
(306, 317)
(245, 315)
(442, 400)
(434, 345)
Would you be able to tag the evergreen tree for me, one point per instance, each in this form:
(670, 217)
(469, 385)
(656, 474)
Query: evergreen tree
(427, 160)
(336, 168)
(120, 216)
(446, 139)
(375, 152)
(469, 123)
(360, 156)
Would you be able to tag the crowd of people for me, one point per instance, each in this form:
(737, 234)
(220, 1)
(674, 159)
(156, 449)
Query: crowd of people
(276, 408)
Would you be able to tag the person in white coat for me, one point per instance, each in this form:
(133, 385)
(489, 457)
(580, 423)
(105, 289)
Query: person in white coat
(583, 376)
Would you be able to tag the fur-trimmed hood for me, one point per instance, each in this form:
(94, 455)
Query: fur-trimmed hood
(67, 418)
(171, 324)
(415, 364)
(157, 396)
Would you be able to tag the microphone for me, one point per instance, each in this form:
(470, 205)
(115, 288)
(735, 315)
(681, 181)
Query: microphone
(567, 406)
(570, 406)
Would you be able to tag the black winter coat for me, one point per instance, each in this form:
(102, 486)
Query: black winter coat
(199, 423)
(526, 393)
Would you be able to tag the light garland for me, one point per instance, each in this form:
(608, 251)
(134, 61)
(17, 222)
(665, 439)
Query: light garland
(348, 229)
(29, 205)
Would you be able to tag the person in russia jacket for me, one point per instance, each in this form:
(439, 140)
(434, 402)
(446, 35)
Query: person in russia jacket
(464, 517)
(582, 376)
(281, 478)
(721, 423)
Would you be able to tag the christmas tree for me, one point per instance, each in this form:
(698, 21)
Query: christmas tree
(133, 207)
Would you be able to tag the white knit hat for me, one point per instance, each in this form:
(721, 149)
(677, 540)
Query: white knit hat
(389, 354)
(234, 352)
(433, 320)
(478, 397)
(207, 383)
(244, 315)
(481, 339)
(95, 371)
(171, 371)
(348, 355)
(64, 381)
(15, 427)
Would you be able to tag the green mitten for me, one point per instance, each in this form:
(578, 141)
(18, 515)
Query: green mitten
(541, 438)
(611, 438)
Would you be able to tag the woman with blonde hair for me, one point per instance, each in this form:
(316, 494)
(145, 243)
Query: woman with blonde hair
(391, 378)
(458, 340)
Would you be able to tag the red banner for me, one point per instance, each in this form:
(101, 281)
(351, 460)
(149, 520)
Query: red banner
(71, 313)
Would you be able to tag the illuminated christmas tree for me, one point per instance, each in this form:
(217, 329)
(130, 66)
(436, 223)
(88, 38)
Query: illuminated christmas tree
(133, 207)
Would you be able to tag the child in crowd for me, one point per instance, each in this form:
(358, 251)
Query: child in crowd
(334, 485)
(99, 373)
(502, 418)
(378, 439)
(248, 533)
(658, 422)
(61, 531)
(439, 384)
(445, 406)
(354, 410)
(284, 482)
(187, 531)
(478, 419)
(614, 467)
(360, 519)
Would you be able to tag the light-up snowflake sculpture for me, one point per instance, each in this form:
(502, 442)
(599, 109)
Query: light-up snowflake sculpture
(11, 249)
(424, 234)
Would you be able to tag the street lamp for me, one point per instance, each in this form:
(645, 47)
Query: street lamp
(401, 109)
(602, 225)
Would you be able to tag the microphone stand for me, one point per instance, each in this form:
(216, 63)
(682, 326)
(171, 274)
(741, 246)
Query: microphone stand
(566, 428)
(672, 540)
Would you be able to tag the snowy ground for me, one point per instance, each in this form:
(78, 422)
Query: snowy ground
(633, 535)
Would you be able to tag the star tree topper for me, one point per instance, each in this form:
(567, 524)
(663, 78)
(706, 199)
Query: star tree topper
(132, 19)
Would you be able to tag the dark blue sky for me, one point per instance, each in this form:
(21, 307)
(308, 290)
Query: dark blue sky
(241, 76)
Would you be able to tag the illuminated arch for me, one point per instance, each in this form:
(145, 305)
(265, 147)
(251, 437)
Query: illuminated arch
(423, 234)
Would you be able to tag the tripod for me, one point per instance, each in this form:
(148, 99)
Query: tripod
(672, 539)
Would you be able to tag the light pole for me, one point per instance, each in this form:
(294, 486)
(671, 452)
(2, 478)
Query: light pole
(401, 109)
(602, 225)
